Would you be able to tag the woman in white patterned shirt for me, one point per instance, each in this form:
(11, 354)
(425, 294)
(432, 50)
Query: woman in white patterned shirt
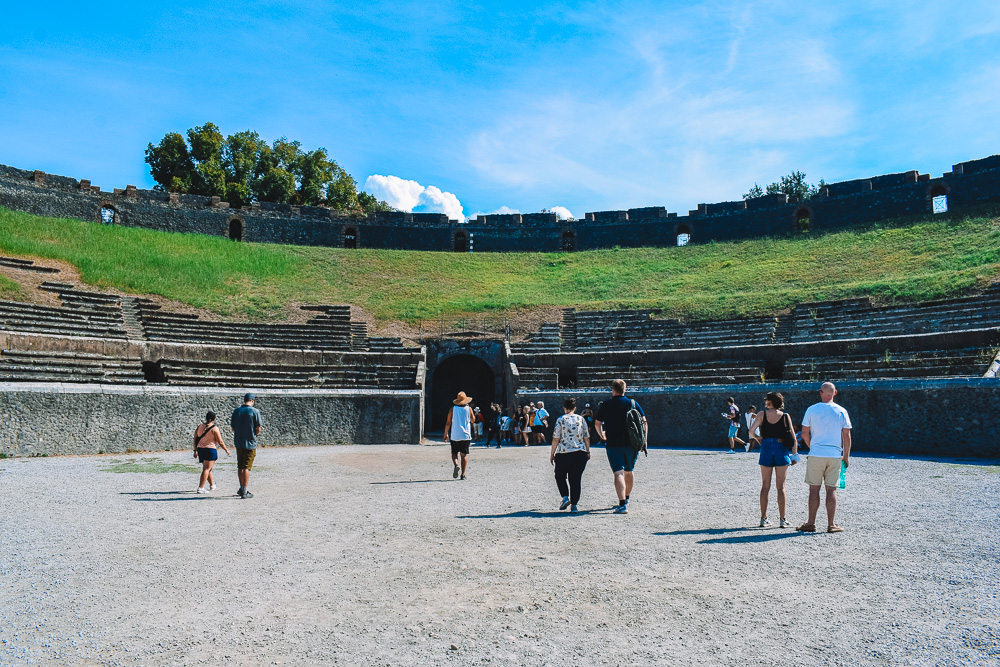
(570, 453)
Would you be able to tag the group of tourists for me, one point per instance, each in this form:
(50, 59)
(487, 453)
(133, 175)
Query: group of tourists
(525, 425)
(571, 437)
(826, 432)
(621, 426)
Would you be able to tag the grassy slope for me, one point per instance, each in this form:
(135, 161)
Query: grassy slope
(928, 259)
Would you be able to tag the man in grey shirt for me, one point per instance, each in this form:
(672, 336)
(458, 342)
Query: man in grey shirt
(246, 425)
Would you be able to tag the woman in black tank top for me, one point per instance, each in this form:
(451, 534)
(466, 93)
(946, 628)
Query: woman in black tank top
(776, 434)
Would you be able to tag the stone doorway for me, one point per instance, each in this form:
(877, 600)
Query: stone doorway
(462, 372)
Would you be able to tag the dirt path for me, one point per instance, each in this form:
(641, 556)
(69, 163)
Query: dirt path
(374, 555)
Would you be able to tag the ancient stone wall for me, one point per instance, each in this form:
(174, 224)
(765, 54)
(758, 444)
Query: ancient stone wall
(88, 419)
(889, 416)
(838, 206)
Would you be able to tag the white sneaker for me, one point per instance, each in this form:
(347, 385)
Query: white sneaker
(201, 489)
(785, 523)
(212, 488)
(764, 523)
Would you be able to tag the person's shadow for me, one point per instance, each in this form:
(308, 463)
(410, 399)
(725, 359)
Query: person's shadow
(750, 536)
(534, 514)
(172, 496)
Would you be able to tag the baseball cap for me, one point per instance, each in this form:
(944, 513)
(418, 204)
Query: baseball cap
(248, 397)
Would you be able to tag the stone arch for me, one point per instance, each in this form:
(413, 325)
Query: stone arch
(803, 218)
(235, 228)
(460, 372)
(108, 214)
(937, 189)
(460, 241)
(567, 240)
(682, 235)
(349, 235)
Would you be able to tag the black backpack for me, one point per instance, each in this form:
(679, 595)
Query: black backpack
(634, 432)
(737, 416)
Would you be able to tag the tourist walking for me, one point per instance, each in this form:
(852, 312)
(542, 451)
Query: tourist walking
(588, 415)
(525, 424)
(732, 415)
(612, 429)
(506, 426)
(492, 420)
(778, 450)
(206, 437)
(540, 423)
(826, 431)
(569, 454)
(458, 431)
(752, 434)
(477, 424)
(246, 422)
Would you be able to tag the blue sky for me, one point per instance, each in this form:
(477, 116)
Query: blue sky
(587, 106)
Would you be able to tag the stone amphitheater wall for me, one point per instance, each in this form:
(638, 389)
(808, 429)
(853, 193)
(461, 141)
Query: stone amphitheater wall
(67, 418)
(838, 206)
(889, 416)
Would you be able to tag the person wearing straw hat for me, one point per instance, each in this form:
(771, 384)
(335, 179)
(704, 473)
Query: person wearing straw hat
(458, 431)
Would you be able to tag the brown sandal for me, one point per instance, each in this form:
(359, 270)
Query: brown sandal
(807, 528)
(835, 529)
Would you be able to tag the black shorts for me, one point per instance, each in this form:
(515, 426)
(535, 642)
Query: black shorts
(207, 454)
(460, 447)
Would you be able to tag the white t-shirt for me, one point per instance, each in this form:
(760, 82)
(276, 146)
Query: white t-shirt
(461, 423)
(826, 421)
(505, 423)
(571, 431)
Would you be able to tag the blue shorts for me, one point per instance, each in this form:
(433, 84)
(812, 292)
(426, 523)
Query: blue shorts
(622, 458)
(773, 453)
(207, 454)
(733, 430)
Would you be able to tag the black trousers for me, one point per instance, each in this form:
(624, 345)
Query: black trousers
(492, 433)
(569, 468)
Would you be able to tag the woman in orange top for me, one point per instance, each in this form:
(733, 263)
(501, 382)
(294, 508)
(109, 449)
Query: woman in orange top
(206, 437)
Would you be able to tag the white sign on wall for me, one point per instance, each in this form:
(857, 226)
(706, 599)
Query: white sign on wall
(941, 204)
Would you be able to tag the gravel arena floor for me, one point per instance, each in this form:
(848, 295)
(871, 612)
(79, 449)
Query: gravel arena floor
(375, 556)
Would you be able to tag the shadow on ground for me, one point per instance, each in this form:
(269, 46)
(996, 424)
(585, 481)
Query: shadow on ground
(533, 514)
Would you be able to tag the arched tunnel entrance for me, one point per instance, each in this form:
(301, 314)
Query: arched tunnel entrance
(462, 372)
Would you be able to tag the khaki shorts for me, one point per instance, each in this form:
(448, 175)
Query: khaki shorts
(244, 458)
(822, 470)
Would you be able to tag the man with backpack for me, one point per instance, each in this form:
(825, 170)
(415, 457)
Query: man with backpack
(732, 415)
(621, 425)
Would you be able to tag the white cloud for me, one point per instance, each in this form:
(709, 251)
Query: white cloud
(562, 212)
(503, 210)
(412, 197)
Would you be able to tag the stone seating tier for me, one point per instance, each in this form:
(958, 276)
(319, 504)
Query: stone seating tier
(966, 362)
(645, 377)
(538, 378)
(351, 375)
(858, 319)
(28, 317)
(76, 367)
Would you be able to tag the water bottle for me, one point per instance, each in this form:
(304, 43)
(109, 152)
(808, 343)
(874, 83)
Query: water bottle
(843, 474)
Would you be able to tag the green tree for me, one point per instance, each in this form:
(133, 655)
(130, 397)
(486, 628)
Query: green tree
(794, 185)
(170, 163)
(242, 168)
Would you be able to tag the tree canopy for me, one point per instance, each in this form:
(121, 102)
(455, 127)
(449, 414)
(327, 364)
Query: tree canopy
(794, 185)
(243, 168)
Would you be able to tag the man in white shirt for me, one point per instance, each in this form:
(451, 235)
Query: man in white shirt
(458, 431)
(826, 430)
